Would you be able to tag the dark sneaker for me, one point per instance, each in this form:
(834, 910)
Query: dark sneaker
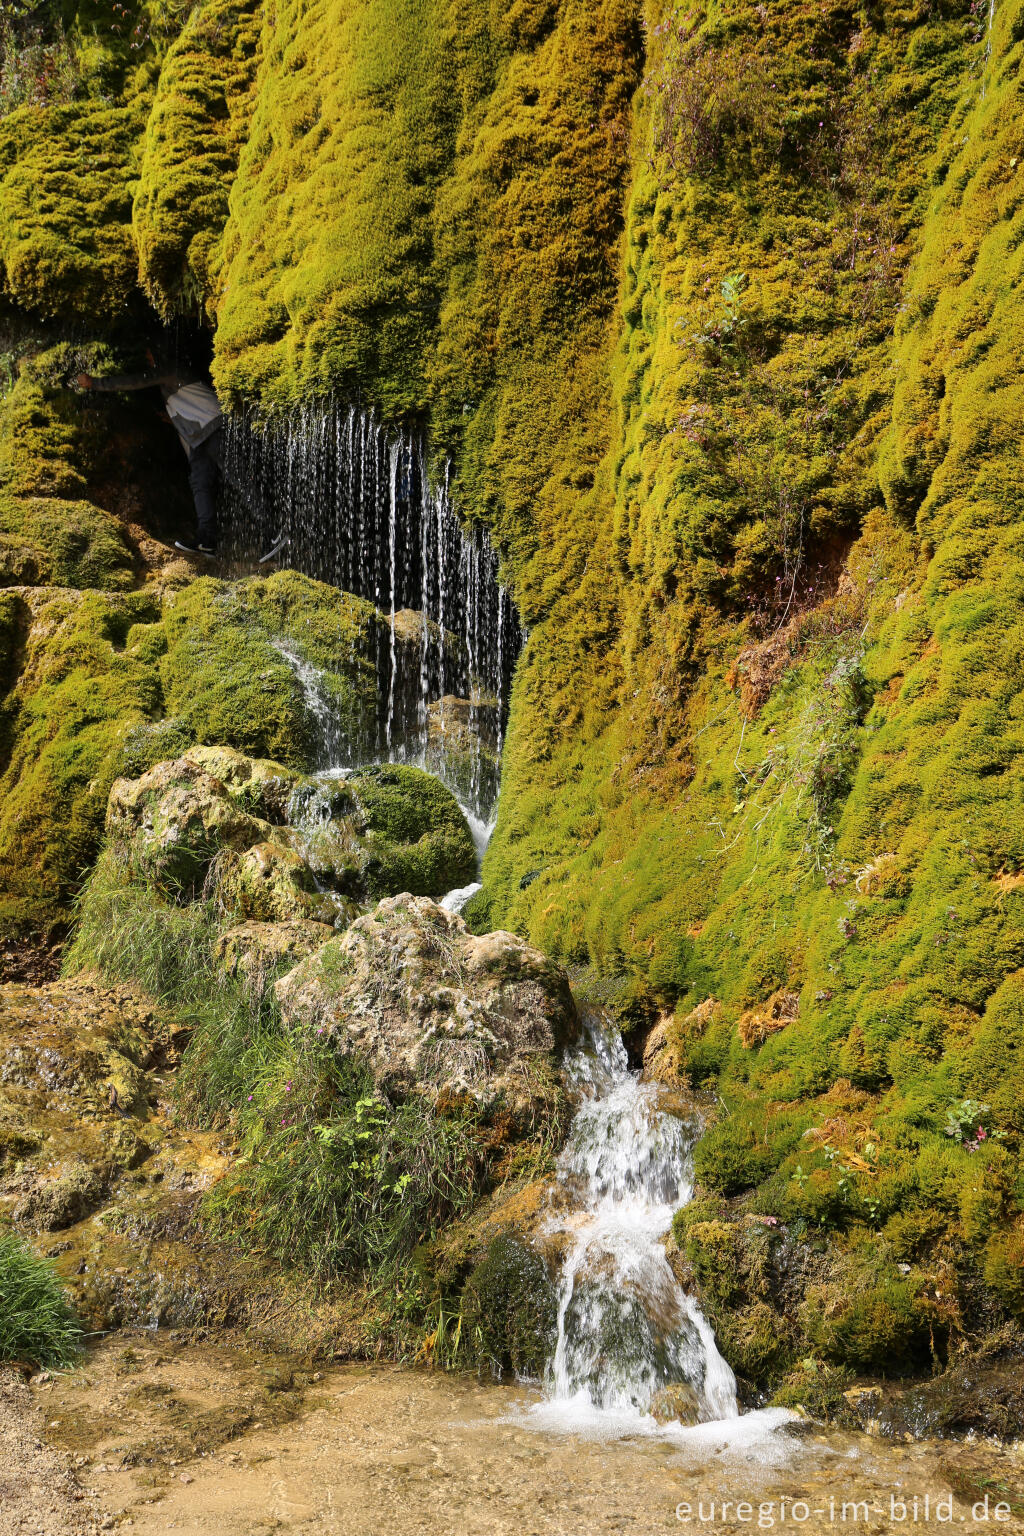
(280, 543)
(207, 550)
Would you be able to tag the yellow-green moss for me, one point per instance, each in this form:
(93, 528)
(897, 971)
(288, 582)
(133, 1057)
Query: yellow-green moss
(97, 685)
(51, 532)
(77, 690)
(232, 686)
(65, 206)
(199, 119)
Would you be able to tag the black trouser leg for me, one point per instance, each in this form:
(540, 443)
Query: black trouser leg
(203, 469)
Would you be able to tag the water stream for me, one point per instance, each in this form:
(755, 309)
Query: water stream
(626, 1329)
(356, 506)
(360, 512)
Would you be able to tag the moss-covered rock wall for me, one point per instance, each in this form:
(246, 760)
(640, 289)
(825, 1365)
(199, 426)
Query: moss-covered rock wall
(716, 316)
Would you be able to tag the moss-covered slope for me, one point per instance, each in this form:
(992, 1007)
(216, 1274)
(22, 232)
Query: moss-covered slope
(718, 316)
(98, 685)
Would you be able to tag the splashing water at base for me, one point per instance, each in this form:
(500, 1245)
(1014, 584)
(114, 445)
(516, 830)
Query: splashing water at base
(626, 1329)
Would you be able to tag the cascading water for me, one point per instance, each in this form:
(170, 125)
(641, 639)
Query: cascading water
(626, 1329)
(358, 509)
(330, 748)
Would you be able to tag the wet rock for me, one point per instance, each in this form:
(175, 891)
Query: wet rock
(51, 1204)
(677, 1403)
(970, 1397)
(430, 1006)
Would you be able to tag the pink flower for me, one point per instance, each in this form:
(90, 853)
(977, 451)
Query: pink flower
(981, 1134)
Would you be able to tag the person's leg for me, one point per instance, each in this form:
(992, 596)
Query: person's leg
(203, 466)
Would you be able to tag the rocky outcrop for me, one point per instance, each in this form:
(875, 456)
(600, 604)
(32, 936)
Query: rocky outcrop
(83, 1116)
(99, 1172)
(273, 846)
(431, 1007)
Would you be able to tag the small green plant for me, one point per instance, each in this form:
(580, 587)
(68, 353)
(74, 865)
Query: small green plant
(35, 70)
(850, 1172)
(966, 1124)
(36, 1319)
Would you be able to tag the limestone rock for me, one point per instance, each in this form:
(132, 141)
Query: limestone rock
(252, 951)
(178, 815)
(272, 883)
(431, 1007)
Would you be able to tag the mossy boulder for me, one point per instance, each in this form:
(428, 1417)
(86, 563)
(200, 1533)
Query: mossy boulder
(434, 1009)
(97, 685)
(254, 952)
(234, 649)
(274, 846)
(416, 835)
(510, 1309)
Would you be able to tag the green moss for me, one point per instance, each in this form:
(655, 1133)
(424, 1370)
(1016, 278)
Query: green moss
(190, 153)
(51, 533)
(731, 1158)
(419, 840)
(67, 158)
(76, 694)
(230, 684)
(1004, 1270)
(509, 1308)
(882, 1327)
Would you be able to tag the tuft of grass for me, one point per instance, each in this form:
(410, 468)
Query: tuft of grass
(333, 1176)
(36, 1319)
(127, 932)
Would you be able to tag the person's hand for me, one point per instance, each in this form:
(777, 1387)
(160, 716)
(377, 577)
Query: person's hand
(84, 381)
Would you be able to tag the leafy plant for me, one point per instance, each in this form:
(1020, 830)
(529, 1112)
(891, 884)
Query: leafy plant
(35, 70)
(966, 1124)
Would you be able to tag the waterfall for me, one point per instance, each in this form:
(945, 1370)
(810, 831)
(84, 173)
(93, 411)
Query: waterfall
(359, 510)
(626, 1328)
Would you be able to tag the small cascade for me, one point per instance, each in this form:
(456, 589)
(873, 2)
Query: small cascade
(626, 1329)
(330, 746)
(358, 509)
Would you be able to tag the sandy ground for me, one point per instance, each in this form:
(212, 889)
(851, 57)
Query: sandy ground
(166, 1437)
(39, 1496)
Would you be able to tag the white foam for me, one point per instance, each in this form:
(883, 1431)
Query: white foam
(752, 1436)
(457, 899)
